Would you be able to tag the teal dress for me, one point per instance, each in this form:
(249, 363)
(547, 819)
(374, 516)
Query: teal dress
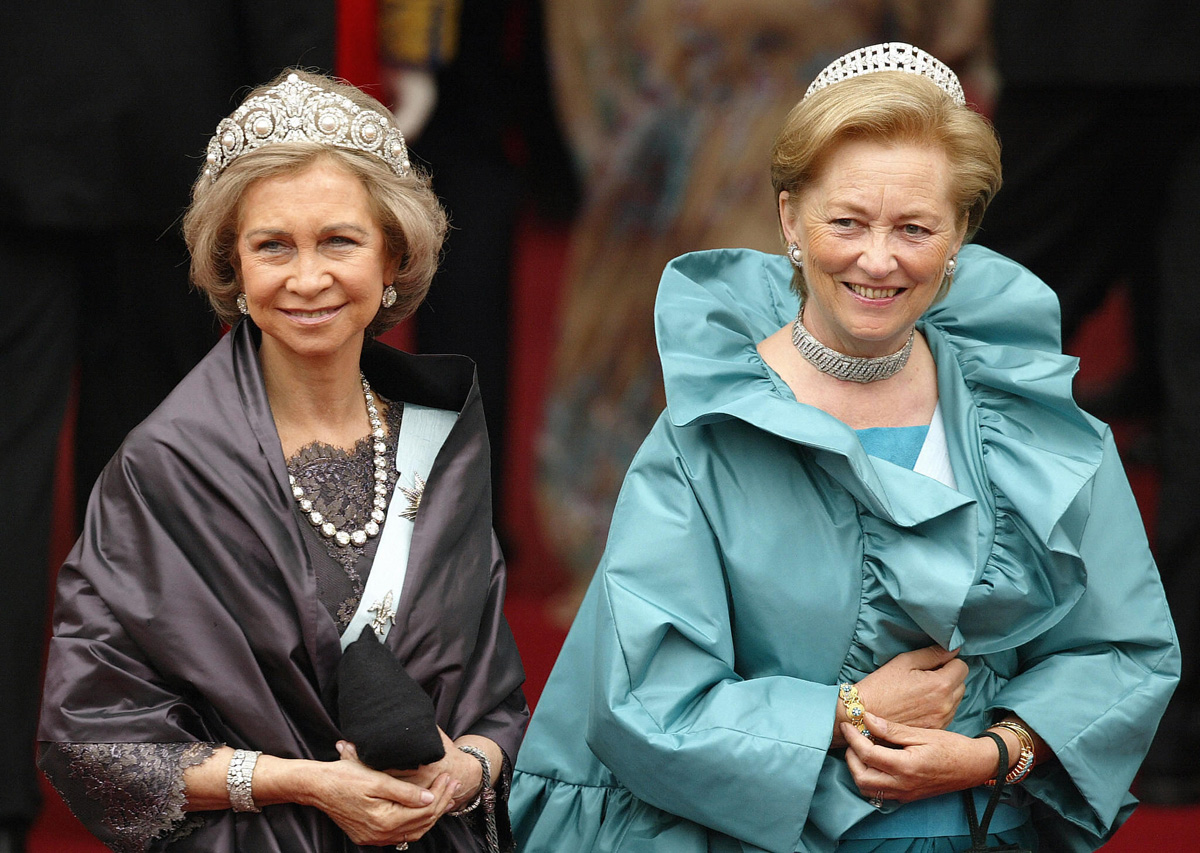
(758, 557)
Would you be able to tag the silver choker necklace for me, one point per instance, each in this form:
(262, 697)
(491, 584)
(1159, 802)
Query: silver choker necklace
(379, 473)
(849, 368)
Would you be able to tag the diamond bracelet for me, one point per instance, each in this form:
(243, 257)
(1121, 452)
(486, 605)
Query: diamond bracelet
(239, 781)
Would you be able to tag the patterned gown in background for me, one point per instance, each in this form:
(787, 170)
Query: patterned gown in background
(670, 108)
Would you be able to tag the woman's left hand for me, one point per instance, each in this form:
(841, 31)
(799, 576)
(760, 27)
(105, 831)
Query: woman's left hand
(462, 767)
(926, 763)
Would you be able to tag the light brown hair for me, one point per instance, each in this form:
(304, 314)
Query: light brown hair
(891, 107)
(404, 206)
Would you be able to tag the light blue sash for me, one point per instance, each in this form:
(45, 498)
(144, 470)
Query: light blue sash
(423, 431)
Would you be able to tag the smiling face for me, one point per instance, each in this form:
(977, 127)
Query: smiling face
(876, 228)
(313, 262)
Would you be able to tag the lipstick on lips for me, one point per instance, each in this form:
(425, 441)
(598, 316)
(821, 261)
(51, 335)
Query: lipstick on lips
(311, 317)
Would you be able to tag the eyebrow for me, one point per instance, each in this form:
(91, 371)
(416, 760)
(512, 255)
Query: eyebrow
(862, 210)
(345, 226)
(329, 229)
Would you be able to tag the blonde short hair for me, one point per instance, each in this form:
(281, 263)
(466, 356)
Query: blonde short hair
(890, 107)
(404, 206)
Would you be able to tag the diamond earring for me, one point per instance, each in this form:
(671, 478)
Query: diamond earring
(795, 256)
(241, 303)
(389, 296)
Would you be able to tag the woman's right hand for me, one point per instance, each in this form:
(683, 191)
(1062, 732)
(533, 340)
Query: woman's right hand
(375, 809)
(921, 688)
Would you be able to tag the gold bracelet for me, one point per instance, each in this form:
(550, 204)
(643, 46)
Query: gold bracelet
(854, 707)
(1025, 762)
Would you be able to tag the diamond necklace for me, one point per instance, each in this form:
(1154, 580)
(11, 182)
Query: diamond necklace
(848, 367)
(379, 474)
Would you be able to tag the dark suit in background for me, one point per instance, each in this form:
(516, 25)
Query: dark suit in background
(108, 107)
(468, 307)
(1099, 117)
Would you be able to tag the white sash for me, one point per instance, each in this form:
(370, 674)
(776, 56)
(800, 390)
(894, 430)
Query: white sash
(422, 432)
(934, 459)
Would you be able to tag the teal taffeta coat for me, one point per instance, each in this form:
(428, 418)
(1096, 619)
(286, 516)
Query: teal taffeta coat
(757, 558)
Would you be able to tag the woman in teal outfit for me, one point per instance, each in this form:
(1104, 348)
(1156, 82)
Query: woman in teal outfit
(870, 491)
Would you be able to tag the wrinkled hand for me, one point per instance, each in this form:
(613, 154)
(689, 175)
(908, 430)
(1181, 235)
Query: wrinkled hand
(376, 809)
(920, 688)
(928, 762)
(461, 767)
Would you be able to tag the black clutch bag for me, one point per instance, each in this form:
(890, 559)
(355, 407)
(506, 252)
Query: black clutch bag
(382, 710)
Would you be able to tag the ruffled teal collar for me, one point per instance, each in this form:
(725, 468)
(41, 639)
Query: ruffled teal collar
(1023, 452)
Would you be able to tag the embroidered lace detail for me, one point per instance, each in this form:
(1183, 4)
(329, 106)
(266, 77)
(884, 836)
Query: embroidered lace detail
(341, 486)
(140, 787)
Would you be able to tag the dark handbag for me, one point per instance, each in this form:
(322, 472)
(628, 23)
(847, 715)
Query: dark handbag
(979, 829)
(382, 710)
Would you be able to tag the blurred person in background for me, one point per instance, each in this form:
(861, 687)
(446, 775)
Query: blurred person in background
(452, 84)
(669, 108)
(1099, 111)
(105, 104)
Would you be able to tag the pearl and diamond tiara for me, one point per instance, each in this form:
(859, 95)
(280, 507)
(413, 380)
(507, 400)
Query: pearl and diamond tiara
(890, 56)
(297, 111)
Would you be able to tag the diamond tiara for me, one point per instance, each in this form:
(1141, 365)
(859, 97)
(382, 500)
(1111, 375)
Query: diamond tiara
(297, 111)
(890, 56)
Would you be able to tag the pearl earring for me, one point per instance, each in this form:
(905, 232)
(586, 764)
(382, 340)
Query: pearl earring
(389, 296)
(241, 304)
(795, 256)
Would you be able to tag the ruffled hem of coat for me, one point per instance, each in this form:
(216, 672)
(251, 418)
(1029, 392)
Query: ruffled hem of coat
(550, 816)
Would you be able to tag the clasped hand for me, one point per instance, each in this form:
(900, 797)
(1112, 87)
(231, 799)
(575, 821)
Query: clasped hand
(910, 701)
(377, 808)
(905, 763)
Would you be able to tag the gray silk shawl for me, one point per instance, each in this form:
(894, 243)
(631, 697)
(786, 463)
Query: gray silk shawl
(187, 611)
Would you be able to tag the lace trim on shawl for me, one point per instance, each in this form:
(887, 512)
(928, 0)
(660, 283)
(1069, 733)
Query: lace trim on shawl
(341, 486)
(140, 787)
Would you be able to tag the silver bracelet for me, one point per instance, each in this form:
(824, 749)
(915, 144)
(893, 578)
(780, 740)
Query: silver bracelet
(485, 785)
(239, 781)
